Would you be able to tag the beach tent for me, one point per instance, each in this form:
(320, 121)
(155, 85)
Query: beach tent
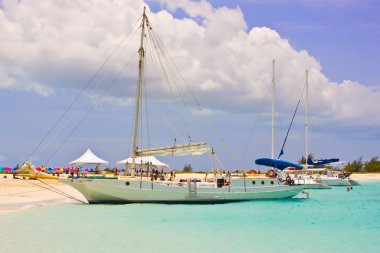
(89, 158)
(143, 160)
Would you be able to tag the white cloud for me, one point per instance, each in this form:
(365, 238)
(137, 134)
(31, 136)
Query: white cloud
(56, 44)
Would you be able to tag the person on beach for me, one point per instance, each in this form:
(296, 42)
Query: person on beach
(72, 173)
(349, 189)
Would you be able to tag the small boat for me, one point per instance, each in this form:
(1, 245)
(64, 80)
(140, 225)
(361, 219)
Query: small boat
(291, 173)
(329, 177)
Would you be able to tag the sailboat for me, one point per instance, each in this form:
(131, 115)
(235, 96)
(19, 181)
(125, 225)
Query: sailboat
(139, 189)
(286, 170)
(324, 175)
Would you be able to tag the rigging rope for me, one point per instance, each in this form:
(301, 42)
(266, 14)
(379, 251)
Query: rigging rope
(33, 153)
(173, 68)
(53, 189)
(253, 128)
(43, 144)
(166, 117)
(291, 123)
(287, 133)
(158, 48)
(91, 109)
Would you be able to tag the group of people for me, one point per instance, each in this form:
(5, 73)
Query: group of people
(157, 174)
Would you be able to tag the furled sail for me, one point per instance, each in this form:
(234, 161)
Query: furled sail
(176, 150)
(276, 163)
(321, 162)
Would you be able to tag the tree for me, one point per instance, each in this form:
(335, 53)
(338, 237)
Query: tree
(302, 160)
(187, 168)
(372, 165)
(355, 166)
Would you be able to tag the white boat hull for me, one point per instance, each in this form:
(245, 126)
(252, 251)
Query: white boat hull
(311, 183)
(124, 191)
(335, 181)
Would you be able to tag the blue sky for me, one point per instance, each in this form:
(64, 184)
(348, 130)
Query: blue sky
(223, 50)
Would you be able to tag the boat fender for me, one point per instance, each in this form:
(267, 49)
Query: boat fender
(271, 173)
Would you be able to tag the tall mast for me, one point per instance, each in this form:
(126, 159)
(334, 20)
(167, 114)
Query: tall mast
(307, 118)
(138, 91)
(273, 105)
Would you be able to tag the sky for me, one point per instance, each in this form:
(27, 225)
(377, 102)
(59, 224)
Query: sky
(52, 109)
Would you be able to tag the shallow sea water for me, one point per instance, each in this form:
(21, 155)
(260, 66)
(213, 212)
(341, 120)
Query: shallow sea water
(329, 221)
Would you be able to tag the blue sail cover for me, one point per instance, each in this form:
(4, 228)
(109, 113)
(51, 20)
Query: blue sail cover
(321, 162)
(277, 163)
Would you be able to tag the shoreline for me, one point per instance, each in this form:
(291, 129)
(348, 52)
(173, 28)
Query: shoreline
(17, 194)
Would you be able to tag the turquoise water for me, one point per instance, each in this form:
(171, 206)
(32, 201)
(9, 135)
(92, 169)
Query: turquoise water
(329, 221)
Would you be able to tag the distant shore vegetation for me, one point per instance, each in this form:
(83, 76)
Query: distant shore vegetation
(358, 165)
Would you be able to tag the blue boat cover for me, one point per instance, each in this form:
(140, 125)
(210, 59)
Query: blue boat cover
(277, 163)
(321, 162)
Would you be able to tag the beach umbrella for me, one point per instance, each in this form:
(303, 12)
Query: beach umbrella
(50, 169)
(8, 168)
(14, 168)
(2, 168)
(86, 170)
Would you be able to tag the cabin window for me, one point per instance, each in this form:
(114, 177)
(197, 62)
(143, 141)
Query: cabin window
(262, 182)
(271, 182)
(127, 183)
(253, 182)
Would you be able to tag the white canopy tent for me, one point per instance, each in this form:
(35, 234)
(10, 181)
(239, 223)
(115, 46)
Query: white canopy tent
(89, 158)
(143, 160)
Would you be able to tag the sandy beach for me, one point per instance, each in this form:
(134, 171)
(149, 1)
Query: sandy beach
(19, 194)
(16, 194)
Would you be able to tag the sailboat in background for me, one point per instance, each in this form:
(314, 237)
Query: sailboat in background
(139, 189)
(325, 175)
(285, 170)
